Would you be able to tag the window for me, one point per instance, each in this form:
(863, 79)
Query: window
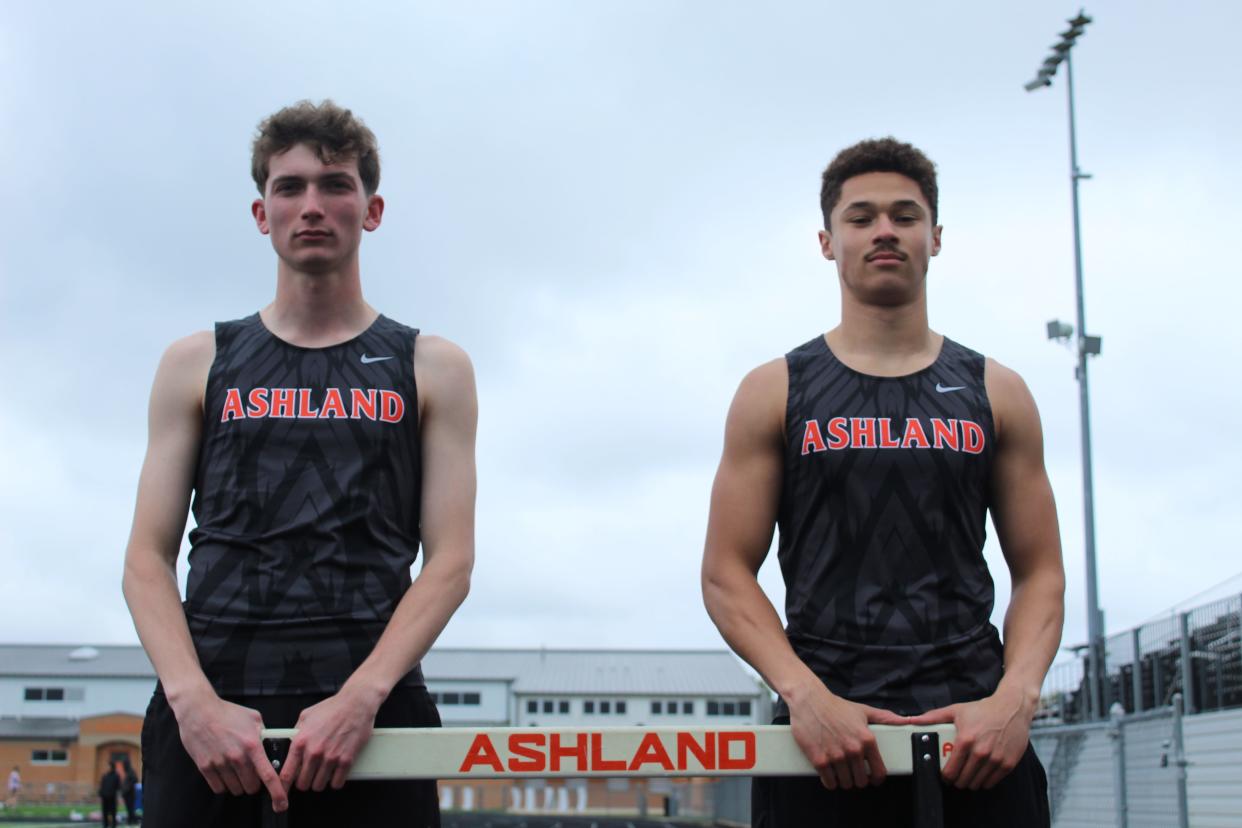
(435, 697)
(713, 708)
(620, 706)
(656, 708)
(728, 709)
(52, 693)
(532, 706)
(470, 698)
(547, 706)
(588, 706)
(687, 707)
(49, 757)
(563, 707)
(743, 708)
(605, 707)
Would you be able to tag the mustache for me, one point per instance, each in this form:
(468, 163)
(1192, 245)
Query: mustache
(886, 250)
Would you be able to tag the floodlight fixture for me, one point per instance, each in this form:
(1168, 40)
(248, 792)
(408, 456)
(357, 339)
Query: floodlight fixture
(1081, 21)
(1062, 47)
(1091, 345)
(1059, 330)
(1042, 80)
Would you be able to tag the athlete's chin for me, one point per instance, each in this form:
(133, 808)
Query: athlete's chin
(314, 265)
(887, 296)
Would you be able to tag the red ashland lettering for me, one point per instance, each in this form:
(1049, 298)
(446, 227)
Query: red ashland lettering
(392, 407)
(258, 403)
(651, 752)
(838, 434)
(598, 762)
(744, 762)
(482, 752)
(579, 751)
(812, 440)
(333, 405)
(232, 407)
(886, 435)
(972, 437)
(532, 760)
(705, 753)
(282, 402)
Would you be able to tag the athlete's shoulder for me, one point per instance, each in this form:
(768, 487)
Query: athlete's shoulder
(759, 405)
(440, 354)
(196, 350)
(1013, 405)
(444, 373)
(766, 379)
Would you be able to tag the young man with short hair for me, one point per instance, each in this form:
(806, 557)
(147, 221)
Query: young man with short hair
(878, 449)
(323, 443)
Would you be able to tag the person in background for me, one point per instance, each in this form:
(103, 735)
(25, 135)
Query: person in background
(109, 787)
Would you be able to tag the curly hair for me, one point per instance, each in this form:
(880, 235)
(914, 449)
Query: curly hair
(878, 155)
(330, 130)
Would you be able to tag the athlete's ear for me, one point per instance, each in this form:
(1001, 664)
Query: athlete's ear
(375, 212)
(935, 248)
(259, 211)
(825, 245)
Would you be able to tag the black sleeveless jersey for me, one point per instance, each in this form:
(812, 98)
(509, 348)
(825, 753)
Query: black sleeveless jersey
(306, 499)
(884, 498)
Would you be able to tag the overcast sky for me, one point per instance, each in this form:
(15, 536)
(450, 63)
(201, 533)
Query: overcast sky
(612, 206)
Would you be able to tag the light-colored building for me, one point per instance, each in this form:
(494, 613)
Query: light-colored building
(66, 710)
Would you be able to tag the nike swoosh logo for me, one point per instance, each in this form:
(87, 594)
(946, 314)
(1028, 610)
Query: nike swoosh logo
(944, 389)
(367, 360)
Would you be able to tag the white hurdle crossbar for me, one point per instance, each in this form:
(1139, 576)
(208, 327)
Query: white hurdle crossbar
(557, 752)
(568, 752)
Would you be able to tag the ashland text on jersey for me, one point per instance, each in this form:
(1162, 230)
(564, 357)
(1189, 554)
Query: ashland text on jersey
(306, 500)
(882, 523)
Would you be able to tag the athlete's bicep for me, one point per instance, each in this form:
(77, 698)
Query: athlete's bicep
(746, 491)
(174, 427)
(1023, 509)
(447, 435)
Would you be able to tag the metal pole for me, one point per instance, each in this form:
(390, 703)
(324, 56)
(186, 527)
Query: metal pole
(1136, 677)
(1179, 761)
(1188, 663)
(1117, 733)
(1095, 621)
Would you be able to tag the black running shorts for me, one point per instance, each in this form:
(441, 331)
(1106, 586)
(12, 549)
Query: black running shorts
(175, 795)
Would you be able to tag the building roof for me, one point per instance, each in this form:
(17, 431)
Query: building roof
(646, 672)
(38, 727)
(73, 660)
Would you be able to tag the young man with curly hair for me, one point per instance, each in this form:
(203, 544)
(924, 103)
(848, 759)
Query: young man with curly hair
(322, 444)
(878, 449)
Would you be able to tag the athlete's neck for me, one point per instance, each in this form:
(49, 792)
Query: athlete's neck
(884, 341)
(315, 310)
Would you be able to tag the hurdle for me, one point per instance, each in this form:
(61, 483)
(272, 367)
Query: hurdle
(635, 752)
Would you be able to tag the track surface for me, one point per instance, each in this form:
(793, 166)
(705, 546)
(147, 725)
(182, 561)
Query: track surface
(519, 821)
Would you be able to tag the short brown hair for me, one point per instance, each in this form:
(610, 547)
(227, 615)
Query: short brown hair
(878, 155)
(330, 130)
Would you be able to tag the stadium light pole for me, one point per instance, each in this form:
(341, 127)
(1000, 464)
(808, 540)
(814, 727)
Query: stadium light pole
(1086, 346)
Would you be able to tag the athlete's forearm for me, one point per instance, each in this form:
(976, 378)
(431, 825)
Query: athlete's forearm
(1033, 625)
(150, 587)
(421, 615)
(750, 625)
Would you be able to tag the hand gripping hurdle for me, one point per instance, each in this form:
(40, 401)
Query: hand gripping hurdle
(558, 752)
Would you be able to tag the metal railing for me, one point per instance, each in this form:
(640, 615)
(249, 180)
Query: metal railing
(1197, 653)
